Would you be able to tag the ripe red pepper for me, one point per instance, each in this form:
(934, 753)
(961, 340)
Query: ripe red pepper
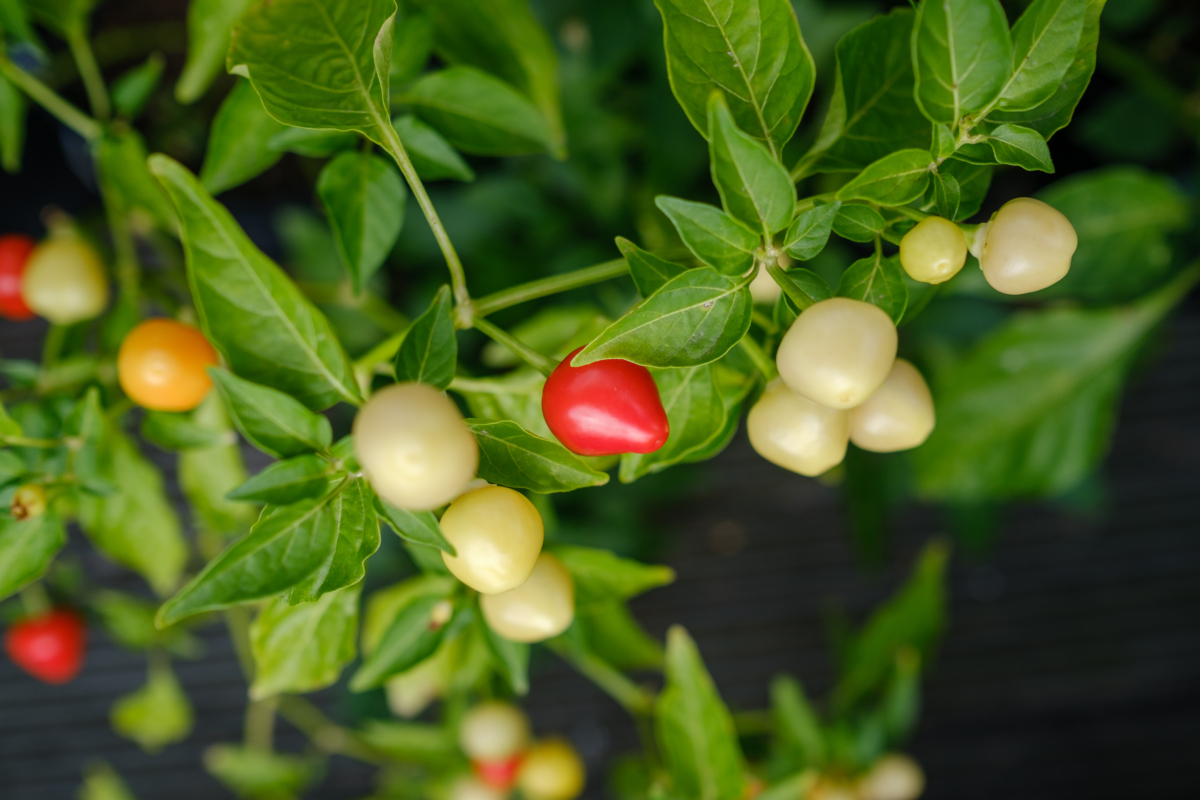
(14, 255)
(49, 647)
(605, 408)
(499, 774)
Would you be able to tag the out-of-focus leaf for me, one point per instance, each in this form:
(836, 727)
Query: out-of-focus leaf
(156, 715)
(364, 199)
(209, 24)
(238, 143)
(304, 647)
(602, 577)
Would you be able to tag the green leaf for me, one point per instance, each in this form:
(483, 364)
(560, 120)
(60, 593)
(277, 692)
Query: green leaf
(649, 272)
(695, 729)
(13, 109)
(504, 38)
(156, 715)
(754, 186)
(511, 456)
(1030, 410)
(353, 511)
(801, 286)
(716, 238)
(1045, 41)
(302, 648)
(312, 142)
(431, 155)
(259, 774)
(238, 142)
(1055, 113)
(973, 184)
(479, 113)
(419, 527)
(695, 413)
(364, 198)
(879, 281)
(1021, 147)
(753, 53)
(1122, 216)
(962, 56)
(809, 232)
(209, 24)
(894, 180)
(412, 44)
(129, 621)
(946, 194)
(178, 432)
(121, 164)
(516, 396)
(419, 742)
(102, 783)
(695, 318)
(313, 62)
(913, 618)
(601, 576)
(14, 21)
(511, 657)
(287, 545)
(858, 223)
(90, 462)
(612, 633)
(271, 420)
(797, 722)
(287, 481)
(133, 89)
(63, 16)
(410, 638)
(429, 352)
(136, 525)
(872, 112)
(262, 324)
(26, 549)
(206, 474)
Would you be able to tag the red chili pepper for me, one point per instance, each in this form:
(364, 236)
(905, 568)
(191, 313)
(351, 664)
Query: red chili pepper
(605, 408)
(14, 255)
(50, 647)
(498, 774)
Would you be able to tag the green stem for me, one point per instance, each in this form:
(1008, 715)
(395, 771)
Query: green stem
(22, 441)
(89, 71)
(522, 351)
(635, 699)
(763, 321)
(44, 96)
(237, 619)
(260, 724)
(811, 202)
(458, 278)
(911, 213)
(761, 360)
(544, 287)
(52, 346)
(326, 734)
(127, 268)
(35, 600)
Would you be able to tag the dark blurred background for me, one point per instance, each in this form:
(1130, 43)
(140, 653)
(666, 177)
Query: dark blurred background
(1071, 667)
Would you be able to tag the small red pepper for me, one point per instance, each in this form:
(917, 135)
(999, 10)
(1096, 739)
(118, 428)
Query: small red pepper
(499, 774)
(605, 408)
(49, 647)
(14, 255)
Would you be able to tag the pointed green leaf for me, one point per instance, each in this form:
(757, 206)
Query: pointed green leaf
(1045, 40)
(271, 420)
(1021, 147)
(312, 142)
(156, 715)
(313, 62)
(479, 113)
(266, 329)
(879, 281)
(287, 545)
(754, 53)
(121, 164)
(695, 729)
(962, 56)
(696, 415)
(946, 194)
(797, 722)
(431, 155)
(353, 511)
(363, 197)
(102, 783)
(809, 232)
(429, 352)
(419, 527)
(612, 633)
(754, 186)
(801, 286)
(511, 456)
(178, 432)
(412, 44)
(693, 319)
(894, 180)
(512, 658)
(288, 481)
(601, 577)
(256, 773)
(26, 549)
(238, 143)
(134, 88)
(649, 272)
(209, 24)
(872, 112)
(858, 223)
(302, 648)
(411, 637)
(715, 237)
